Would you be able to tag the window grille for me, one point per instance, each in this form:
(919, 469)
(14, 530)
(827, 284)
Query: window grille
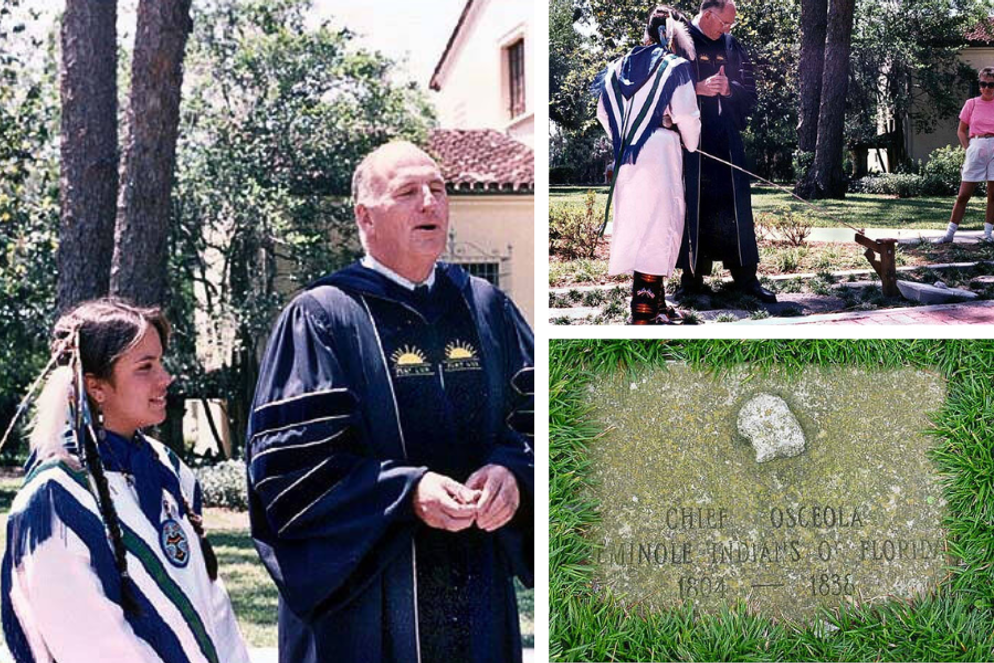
(490, 271)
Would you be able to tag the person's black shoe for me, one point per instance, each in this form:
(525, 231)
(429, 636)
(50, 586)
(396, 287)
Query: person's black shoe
(692, 290)
(759, 292)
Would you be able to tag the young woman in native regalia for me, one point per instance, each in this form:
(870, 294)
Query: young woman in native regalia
(647, 105)
(105, 558)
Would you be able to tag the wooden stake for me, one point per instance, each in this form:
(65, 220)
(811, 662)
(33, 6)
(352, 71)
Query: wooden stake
(885, 265)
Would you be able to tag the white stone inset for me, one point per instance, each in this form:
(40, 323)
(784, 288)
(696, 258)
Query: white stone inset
(930, 294)
(772, 429)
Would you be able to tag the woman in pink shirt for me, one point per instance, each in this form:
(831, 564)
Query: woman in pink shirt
(976, 135)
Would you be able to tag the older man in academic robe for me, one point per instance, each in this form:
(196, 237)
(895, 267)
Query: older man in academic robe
(719, 209)
(391, 470)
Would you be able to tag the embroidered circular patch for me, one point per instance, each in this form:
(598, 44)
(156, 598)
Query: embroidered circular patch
(174, 543)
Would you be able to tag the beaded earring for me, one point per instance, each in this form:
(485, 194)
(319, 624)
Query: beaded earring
(101, 433)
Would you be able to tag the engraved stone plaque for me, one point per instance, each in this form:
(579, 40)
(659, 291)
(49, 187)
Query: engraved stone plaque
(688, 514)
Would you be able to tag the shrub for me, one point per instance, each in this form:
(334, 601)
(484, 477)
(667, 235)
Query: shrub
(788, 260)
(902, 185)
(939, 177)
(561, 174)
(828, 258)
(821, 287)
(788, 286)
(943, 169)
(802, 163)
(573, 231)
(785, 224)
(224, 484)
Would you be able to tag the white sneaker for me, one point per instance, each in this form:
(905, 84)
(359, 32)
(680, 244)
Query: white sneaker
(987, 239)
(945, 239)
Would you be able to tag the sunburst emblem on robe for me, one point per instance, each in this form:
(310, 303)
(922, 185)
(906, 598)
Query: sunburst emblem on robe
(408, 356)
(460, 350)
(461, 356)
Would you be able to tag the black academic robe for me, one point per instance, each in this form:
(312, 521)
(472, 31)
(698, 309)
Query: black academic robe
(719, 223)
(366, 386)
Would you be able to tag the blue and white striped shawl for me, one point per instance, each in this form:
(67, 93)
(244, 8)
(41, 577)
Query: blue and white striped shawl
(183, 617)
(630, 127)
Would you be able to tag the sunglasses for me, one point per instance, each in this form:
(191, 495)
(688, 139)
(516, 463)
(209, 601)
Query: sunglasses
(984, 84)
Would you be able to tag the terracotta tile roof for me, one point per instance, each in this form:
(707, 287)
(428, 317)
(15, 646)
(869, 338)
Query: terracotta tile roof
(483, 161)
(981, 33)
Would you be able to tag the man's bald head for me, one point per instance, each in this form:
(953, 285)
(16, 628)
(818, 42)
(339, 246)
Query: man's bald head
(401, 208)
(369, 178)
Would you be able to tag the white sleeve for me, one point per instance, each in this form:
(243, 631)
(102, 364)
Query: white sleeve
(602, 115)
(686, 115)
(76, 621)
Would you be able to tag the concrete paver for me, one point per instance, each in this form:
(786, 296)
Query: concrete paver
(575, 313)
(901, 235)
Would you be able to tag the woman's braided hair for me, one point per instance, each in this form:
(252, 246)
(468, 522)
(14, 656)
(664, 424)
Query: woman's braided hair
(106, 329)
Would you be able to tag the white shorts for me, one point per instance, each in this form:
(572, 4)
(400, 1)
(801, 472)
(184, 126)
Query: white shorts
(979, 164)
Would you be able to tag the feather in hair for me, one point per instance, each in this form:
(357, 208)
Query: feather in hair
(51, 414)
(679, 39)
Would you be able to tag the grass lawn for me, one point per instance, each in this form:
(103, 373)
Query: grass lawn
(253, 594)
(955, 623)
(859, 209)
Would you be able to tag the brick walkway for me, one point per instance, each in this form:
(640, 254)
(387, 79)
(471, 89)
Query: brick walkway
(946, 314)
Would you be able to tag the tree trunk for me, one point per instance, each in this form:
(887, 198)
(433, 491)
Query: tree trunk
(143, 212)
(897, 153)
(245, 368)
(825, 179)
(170, 431)
(814, 18)
(89, 158)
